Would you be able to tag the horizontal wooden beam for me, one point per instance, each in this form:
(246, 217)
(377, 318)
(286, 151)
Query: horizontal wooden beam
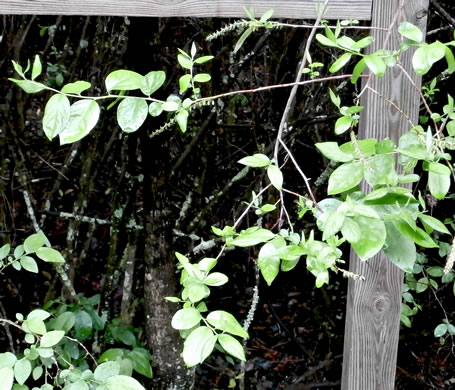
(296, 9)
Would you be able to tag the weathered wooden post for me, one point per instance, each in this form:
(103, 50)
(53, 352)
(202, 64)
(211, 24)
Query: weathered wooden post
(373, 305)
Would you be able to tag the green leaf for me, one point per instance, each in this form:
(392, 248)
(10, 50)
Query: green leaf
(340, 62)
(155, 109)
(400, 250)
(334, 98)
(343, 124)
(4, 251)
(422, 285)
(184, 61)
(332, 224)
(7, 375)
(207, 263)
(255, 161)
(216, 279)
(345, 177)
(376, 64)
(203, 59)
(269, 259)
(152, 81)
(51, 338)
(232, 346)
(186, 318)
(450, 60)
(181, 258)
(140, 358)
(18, 251)
(358, 70)
(242, 39)
(122, 382)
(425, 56)
(18, 68)
(350, 230)
(435, 271)
(182, 119)
(439, 168)
(37, 372)
(37, 68)
(440, 330)
(184, 83)
(324, 41)
(332, 151)
(65, 321)
(251, 238)
(366, 146)
(372, 239)
(408, 30)
(381, 170)
(363, 43)
(434, 223)
(439, 184)
(198, 346)
(35, 325)
(84, 115)
(266, 15)
(38, 314)
(197, 291)
(124, 80)
(419, 236)
(131, 114)
(76, 88)
(202, 78)
(111, 354)
(275, 176)
(50, 255)
(29, 264)
(106, 370)
(170, 106)
(34, 242)
(226, 322)
(7, 359)
(56, 115)
(78, 385)
(28, 86)
(22, 370)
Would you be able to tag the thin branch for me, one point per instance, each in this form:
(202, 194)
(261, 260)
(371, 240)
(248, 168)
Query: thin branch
(419, 91)
(443, 12)
(291, 98)
(274, 86)
(307, 182)
(394, 105)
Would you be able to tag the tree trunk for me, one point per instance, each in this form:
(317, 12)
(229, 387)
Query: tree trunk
(160, 282)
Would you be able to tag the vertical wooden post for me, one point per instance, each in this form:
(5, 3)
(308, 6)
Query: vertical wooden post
(373, 305)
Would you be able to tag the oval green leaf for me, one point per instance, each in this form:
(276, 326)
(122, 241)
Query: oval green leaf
(131, 114)
(50, 255)
(51, 338)
(345, 177)
(186, 318)
(198, 346)
(232, 346)
(84, 115)
(124, 80)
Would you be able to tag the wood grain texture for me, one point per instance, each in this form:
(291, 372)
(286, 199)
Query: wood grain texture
(373, 307)
(298, 9)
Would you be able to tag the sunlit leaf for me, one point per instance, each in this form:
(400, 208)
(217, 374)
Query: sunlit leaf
(56, 115)
(198, 346)
(124, 80)
(84, 115)
(131, 114)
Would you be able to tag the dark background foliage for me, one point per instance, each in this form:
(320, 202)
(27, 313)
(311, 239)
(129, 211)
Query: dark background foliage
(297, 333)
